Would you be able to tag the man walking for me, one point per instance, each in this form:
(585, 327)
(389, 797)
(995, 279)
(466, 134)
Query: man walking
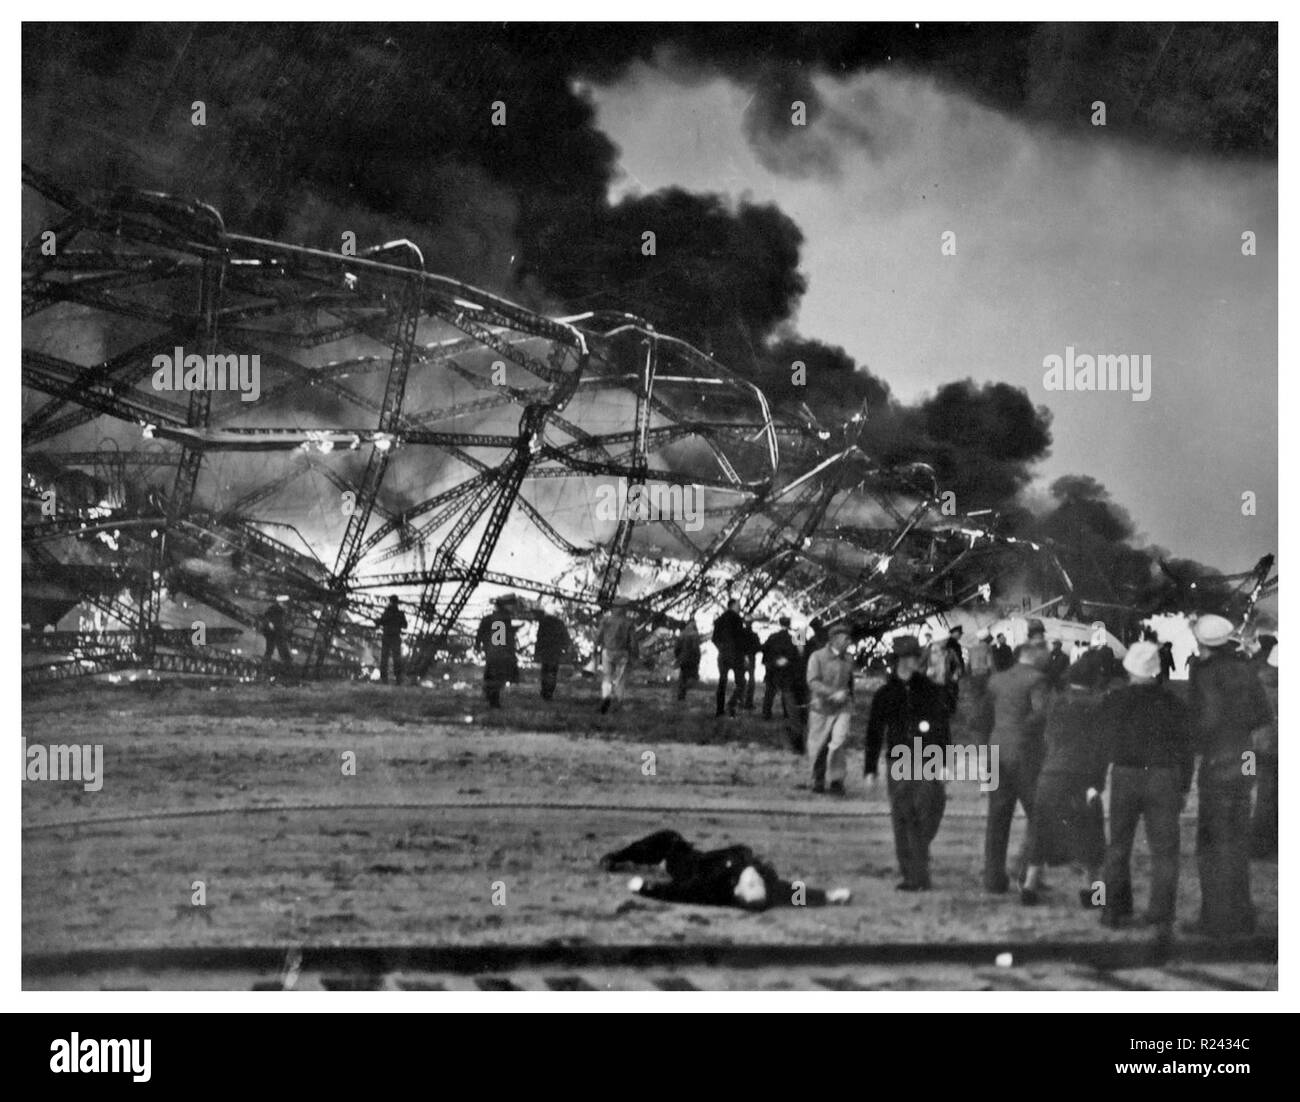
(1228, 703)
(729, 639)
(1147, 738)
(1019, 699)
(780, 667)
(830, 690)
(617, 647)
(496, 639)
(909, 713)
(552, 646)
(686, 653)
(392, 623)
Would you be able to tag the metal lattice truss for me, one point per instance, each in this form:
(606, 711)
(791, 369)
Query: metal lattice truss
(214, 421)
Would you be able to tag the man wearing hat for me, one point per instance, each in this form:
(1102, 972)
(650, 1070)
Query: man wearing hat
(551, 648)
(780, 666)
(1019, 699)
(1228, 703)
(830, 708)
(909, 713)
(496, 639)
(1149, 750)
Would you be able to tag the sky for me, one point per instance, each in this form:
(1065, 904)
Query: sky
(1097, 244)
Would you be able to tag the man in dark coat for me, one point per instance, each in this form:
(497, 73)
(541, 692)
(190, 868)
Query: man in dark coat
(780, 668)
(1067, 822)
(1057, 664)
(1147, 736)
(1019, 700)
(954, 667)
(275, 630)
(909, 717)
(1003, 656)
(731, 877)
(1167, 664)
(552, 646)
(686, 655)
(392, 623)
(496, 639)
(1263, 825)
(1228, 703)
(730, 641)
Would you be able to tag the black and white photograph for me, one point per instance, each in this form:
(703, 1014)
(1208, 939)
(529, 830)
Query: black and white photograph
(787, 508)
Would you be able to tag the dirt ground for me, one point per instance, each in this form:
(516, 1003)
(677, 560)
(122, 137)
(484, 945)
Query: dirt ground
(463, 826)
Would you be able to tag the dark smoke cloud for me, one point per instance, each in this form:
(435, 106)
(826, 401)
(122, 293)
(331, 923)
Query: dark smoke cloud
(386, 130)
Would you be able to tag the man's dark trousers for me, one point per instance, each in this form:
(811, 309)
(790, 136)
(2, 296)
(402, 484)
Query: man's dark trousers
(277, 645)
(390, 651)
(1155, 796)
(1223, 850)
(916, 809)
(1017, 778)
(790, 709)
(736, 667)
(550, 678)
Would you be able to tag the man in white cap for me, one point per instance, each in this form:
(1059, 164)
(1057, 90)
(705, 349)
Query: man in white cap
(830, 710)
(1228, 703)
(1148, 742)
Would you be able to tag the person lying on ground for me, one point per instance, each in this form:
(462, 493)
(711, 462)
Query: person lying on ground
(729, 877)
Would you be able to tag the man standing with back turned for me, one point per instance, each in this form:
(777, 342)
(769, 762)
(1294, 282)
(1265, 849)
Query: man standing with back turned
(1227, 704)
(392, 623)
(730, 638)
(1019, 697)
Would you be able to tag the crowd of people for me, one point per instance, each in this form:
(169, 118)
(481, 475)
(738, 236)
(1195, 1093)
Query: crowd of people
(1062, 728)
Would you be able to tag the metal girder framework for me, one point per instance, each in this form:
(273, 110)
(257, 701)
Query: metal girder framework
(390, 412)
(475, 441)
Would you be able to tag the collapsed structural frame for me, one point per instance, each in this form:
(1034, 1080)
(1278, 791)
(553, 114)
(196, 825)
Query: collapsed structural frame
(170, 266)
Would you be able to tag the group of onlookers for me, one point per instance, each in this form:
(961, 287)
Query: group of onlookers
(1065, 728)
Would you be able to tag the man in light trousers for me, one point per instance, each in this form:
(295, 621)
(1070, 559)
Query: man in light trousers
(617, 643)
(830, 709)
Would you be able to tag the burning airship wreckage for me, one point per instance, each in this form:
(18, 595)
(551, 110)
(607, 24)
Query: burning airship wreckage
(216, 422)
